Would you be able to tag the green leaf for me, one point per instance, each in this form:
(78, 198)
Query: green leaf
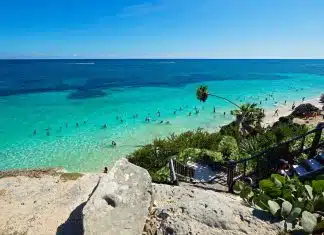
(318, 186)
(288, 195)
(308, 221)
(285, 209)
(319, 204)
(281, 178)
(261, 200)
(246, 193)
(238, 186)
(293, 215)
(274, 207)
(309, 190)
(269, 188)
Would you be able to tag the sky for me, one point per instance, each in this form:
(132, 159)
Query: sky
(162, 29)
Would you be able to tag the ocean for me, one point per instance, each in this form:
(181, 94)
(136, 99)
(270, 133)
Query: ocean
(66, 113)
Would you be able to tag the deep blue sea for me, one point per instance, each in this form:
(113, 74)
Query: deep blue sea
(54, 112)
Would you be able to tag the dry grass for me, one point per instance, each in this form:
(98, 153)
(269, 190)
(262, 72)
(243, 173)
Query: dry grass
(33, 173)
(70, 176)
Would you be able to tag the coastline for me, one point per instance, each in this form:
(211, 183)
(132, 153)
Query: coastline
(285, 110)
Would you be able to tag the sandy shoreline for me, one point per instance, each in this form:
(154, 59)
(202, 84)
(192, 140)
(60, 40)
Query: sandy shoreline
(285, 110)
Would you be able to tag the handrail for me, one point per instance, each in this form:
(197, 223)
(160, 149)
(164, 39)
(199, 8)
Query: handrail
(231, 165)
(281, 144)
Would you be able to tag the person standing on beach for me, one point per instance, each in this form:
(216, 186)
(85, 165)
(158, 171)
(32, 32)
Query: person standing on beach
(276, 112)
(293, 106)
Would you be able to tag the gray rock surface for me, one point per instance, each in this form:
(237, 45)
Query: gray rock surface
(34, 202)
(121, 202)
(190, 210)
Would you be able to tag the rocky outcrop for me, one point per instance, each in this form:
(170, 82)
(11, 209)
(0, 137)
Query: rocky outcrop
(124, 201)
(120, 203)
(43, 201)
(191, 210)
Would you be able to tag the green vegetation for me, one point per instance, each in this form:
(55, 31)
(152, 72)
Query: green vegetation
(288, 199)
(241, 138)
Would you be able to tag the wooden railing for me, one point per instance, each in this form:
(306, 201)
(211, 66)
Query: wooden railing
(178, 170)
(264, 163)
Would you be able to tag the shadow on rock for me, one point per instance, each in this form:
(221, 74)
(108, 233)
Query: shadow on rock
(74, 224)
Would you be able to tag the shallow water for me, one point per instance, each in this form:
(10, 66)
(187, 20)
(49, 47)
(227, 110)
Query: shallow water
(52, 96)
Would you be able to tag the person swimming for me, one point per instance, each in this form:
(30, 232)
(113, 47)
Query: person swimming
(117, 117)
(104, 126)
(214, 110)
(47, 133)
(174, 112)
(167, 122)
(161, 122)
(158, 113)
(84, 122)
(260, 102)
(197, 111)
(113, 143)
(189, 114)
(285, 101)
(34, 133)
(66, 125)
(60, 129)
(303, 99)
(224, 113)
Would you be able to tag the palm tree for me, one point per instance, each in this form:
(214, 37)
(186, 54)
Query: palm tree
(248, 117)
(202, 95)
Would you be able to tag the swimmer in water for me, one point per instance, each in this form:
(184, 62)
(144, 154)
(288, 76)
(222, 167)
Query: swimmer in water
(47, 133)
(34, 133)
(77, 124)
(66, 124)
(303, 99)
(104, 126)
(84, 122)
(113, 143)
(60, 129)
(117, 117)
(214, 110)
(161, 122)
(174, 112)
(167, 122)
(285, 101)
(260, 102)
(158, 113)
(189, 114)
(224, 113)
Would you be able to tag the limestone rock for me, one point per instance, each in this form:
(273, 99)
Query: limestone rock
(121, 202)
(189, 210)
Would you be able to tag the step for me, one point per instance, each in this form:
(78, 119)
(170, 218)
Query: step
(320, 158)
(312, 165)
(300, 171)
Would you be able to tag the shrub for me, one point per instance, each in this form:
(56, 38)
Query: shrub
(229, 148)
(288, 199)
(199, 155)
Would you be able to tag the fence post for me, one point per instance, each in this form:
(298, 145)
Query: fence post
(173, 176)
(316, 139)
(231, 164)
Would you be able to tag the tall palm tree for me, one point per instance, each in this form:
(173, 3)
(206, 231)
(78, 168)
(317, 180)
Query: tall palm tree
(202, 95)
(248, 117)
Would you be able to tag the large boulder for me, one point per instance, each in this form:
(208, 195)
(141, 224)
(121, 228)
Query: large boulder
(304, 109)
(120, 203)
(191, 210)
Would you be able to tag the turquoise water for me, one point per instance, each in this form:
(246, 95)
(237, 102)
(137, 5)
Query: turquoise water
(40, 105)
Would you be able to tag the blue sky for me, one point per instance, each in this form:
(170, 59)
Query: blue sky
(162, 29)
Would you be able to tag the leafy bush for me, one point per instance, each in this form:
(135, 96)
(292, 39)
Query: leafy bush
(288, 199)
(229, 148)
(199, 155)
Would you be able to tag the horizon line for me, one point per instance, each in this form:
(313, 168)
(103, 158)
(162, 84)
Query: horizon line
(154, 58)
